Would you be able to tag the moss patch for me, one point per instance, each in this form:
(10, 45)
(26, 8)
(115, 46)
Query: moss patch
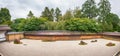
(82, 43)
(110, 44)
(48, 40)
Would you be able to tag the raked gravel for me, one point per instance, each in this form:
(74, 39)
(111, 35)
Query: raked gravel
(59, 48)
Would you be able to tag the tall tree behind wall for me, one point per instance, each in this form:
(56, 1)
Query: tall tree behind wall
(104, 10)
(68, 15)
(77, 12)
(89, 9)
(47, 14)
(57, 13)
(30, 14)
(52, 14)
(5, 17)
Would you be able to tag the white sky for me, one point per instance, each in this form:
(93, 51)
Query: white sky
(20, 8)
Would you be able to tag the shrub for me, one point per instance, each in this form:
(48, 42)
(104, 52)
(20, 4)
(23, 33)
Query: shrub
(83, 24)
(54, 25)
(29, 24)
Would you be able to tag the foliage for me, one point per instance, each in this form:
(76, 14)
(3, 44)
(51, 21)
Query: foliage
(47, 14)
(55, 25)
(52, 15)
(87, 19)
(29, 24)
(82, 24)
(68, 15)
(58, 13)
(77, 13)
(111, 23)
(104, 9)
(32, 24)
(30, 15)
(5, 17)
(113, 19)
(18, 24)
(89, 9)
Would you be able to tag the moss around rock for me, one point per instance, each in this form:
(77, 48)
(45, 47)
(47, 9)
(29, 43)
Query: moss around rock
(17, 41)
(82, 43)
(110, 44)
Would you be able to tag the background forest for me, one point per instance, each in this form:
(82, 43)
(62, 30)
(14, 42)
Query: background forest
(91, 17)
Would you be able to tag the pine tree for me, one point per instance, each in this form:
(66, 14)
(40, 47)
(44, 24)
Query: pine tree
(30, 15)
(57, 13)
(52, 13)
(47, 14)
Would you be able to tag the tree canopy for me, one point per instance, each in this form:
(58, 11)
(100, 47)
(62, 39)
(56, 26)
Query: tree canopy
(89, 9)
(91, 17)
(5, 17)
(30, 15)
(83, 25)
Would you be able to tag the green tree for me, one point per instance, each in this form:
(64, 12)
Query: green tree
(30, 24)
(68, 15)
(104, 10)
(113, 19)
(77, 13)
(57, 13)
(89, 9)
(5, 17)
(30, 15)
(47, 14)
(52, 13)
(33, 24)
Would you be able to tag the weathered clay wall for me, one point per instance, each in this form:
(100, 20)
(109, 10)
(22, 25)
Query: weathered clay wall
(14, 36)
(62, 37)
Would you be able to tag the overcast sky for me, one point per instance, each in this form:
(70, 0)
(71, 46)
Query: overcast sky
(20, 8)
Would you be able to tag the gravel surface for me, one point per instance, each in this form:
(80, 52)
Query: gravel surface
(59, 48)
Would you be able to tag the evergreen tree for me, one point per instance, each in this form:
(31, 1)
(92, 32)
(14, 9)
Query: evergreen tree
(30, 15)
(52, 13)
(5, 17)
(57, 13)
(89, 9)
(47, 14)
